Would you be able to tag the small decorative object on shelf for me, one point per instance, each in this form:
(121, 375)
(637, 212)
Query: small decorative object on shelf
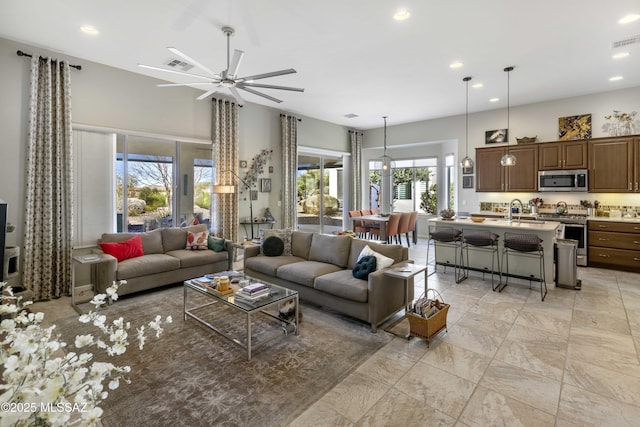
(267, 215)
(620, 124)
(447, 213)
(526, 139)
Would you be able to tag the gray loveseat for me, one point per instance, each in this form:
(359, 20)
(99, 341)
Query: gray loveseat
(320, 269)
(165, 260)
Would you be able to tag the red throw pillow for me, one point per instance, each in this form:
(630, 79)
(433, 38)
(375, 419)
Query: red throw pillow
(131, 248)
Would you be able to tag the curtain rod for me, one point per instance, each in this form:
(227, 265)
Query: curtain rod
(285, 115)
(42, 58)
(356, 131)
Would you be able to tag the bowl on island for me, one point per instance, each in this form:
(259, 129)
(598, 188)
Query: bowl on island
(447, 214)
(477, 218)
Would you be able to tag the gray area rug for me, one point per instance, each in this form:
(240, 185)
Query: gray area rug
(191, 376)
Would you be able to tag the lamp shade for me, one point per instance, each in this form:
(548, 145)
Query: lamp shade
(224, 189)
(466, 162)
(508, 159)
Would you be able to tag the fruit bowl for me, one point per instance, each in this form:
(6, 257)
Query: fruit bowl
(477, 219)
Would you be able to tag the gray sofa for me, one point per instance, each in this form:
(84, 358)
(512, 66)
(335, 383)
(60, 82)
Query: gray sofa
(165, 260)
(320, 269)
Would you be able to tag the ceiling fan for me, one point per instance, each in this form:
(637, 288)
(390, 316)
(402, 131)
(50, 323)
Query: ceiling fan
(227, 78)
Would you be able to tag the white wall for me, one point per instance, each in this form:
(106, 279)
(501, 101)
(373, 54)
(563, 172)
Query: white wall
(539, 120)
(112, 98)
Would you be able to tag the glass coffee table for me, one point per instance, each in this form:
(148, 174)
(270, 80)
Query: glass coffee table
(277, 295)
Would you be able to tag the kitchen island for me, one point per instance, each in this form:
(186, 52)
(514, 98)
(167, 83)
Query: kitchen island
(480, 260)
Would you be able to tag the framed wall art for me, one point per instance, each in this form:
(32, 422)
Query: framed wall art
(243, 164)
(254, 195)
(265, 185)
(497, 135)
(574, 127)
(467, 182)
(467, 171)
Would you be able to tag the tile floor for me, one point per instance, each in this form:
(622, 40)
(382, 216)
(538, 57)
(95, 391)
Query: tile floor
(507, 359)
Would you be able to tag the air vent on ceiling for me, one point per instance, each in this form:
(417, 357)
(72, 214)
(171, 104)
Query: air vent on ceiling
(351, 116)
(176, 63)
(626, 42)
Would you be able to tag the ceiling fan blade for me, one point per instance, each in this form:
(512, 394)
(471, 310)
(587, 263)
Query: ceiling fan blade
(266, 75)
(185, 84)
(207, 93)
(264, 95)
(236, 95)
(182, 73)
(295, 89)
(191, 60)
(235, 63)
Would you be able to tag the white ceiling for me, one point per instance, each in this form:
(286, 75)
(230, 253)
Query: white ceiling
(351, 56)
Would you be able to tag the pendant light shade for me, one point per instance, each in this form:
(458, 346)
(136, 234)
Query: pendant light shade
(466, 162)
(508, 159)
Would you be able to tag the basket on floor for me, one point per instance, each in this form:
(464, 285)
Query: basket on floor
(426, 328)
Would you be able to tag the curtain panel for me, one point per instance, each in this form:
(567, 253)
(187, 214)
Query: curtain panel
(48, 223)
(289, 127)
(225, 142)
(356, 169)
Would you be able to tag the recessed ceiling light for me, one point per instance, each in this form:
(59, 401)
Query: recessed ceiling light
(477, 85)
(456, 65)
(620, 55)
(629, 18)
(401, 15)
(89, 29)
(615, 78)
(494, 100)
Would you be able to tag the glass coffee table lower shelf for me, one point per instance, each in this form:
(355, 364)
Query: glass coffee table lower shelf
(277, 296)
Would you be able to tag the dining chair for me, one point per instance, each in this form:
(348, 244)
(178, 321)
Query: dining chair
(392, 227)
(413, 222)
(358, 226)
(403, 226)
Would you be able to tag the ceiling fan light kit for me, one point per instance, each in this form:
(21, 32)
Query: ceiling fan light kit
(508, 159)
(227, 78)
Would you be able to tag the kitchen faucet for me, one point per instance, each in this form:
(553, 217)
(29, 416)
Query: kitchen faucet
(519, 211)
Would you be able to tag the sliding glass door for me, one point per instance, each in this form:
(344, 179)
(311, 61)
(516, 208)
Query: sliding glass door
(320, 186)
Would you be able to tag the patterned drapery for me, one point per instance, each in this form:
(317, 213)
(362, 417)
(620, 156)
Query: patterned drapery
(289, 126)
(356, 169)
(48, 213)
(225, 143)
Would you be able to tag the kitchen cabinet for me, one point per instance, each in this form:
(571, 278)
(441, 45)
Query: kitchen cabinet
(614, 245)
(563, 155)
(490, 176)
(614, 165)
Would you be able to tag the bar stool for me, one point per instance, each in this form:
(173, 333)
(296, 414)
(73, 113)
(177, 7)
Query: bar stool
(525, 245)
(484, 241)
(447, 237)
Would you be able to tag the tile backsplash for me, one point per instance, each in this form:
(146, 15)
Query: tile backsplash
(602, 210)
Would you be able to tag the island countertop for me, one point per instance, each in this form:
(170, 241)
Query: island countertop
(542, 226)
(545, 230)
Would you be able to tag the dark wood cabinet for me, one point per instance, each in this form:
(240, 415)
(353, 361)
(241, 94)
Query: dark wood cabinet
(614, 245)
(490, 176)
(613, 165)
(563, 155)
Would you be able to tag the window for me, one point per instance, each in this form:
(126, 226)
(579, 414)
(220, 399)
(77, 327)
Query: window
(414, 185)
(450, 176)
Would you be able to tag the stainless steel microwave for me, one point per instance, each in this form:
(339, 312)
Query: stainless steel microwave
(563, 180)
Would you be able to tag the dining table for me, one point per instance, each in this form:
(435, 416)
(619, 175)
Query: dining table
(382, 220)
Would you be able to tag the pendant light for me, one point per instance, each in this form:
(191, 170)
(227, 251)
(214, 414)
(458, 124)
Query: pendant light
(508, 159)
(384, 164)
(467, 162)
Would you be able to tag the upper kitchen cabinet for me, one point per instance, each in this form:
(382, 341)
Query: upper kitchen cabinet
(563, 155)
(613, 165)
(490, 176)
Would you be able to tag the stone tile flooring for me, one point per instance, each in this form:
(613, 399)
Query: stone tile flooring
(507, 359)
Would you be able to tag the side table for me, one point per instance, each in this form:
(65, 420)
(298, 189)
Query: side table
(405, 273)
(89, 259)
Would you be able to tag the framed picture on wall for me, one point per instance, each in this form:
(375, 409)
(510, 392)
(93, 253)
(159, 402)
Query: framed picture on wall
(467, 171)
(467, 182)
(265, 185)
(496, 135)
(254, 195)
